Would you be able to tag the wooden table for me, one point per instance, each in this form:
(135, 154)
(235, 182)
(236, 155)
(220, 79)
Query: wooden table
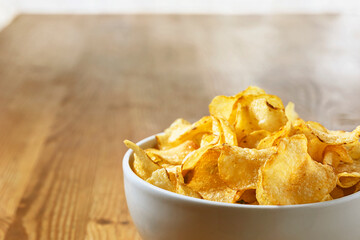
(72, 88)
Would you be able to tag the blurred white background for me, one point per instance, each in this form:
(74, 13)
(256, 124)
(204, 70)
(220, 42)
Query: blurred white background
(10, 8)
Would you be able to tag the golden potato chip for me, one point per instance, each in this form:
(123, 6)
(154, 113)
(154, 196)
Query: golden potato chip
(315, 146)
(334, 154)
(200, 173)
(253, 139)
(348, 174)
(173, 155)
(180, 131)
(291, 177)
(222, 107)
(172, 171)
(290, 113)
(160, 178)
(333, 137)
(208, 139)
(186, 191)
(223, 132)
(143, 166)
(244, 123)
(274, 138)
(353, 150)
(346, 180)
(225, 107)
(176, 128)
(154, 157)
(238, 167)
(269, 113)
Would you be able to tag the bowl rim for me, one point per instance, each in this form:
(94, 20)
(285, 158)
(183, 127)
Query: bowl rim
(127, 171)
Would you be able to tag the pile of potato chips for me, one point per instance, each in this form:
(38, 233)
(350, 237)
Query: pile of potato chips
(252, 150)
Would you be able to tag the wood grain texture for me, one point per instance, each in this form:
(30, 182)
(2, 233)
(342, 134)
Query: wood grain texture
(72, 88)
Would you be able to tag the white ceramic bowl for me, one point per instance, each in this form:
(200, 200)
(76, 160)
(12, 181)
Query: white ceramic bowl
(162, 215)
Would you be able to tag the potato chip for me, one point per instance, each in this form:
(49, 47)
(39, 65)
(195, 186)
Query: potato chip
(143, 166)
(269, 113)
(274, 138)
(290, 113)
(180, 131)
(160, 178)
(333, 137)
(208, 139)
(291, 177)
(176, 128)
(222, 107)
(187, 191)
(173, 155)
(315, 146)
(353, 150)
(253, 139)
(223, 132)
(200, 173)
(172, 171)
(348, 174)
(244, 123)
(346, 180)
(334, 154)
(238, 167)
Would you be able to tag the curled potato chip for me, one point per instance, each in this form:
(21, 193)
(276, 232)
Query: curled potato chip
(315, 146)
(333, 137)
(223, 132)
(291, 177)
(200, 172)
(173, 155)
(238, 167)
(334, 154)
(160, 178)
(348, 174)
(290, 113)
(181, 130)
(142, 166)
(346, 180)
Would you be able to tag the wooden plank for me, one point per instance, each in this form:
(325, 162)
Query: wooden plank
(72, 88)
